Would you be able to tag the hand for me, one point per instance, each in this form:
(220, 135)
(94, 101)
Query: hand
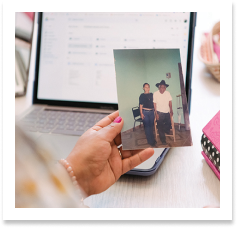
(142, 116)
(157, 116)
(95, 159)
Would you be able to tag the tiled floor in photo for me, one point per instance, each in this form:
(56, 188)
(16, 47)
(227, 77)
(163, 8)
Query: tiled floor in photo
(137, 139)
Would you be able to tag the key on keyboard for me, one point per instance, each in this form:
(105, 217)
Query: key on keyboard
(60, 122)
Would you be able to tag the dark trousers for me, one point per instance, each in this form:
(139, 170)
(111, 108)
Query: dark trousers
(148, 122)
(164, 125)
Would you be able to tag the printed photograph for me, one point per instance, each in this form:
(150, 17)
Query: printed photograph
(151, 98)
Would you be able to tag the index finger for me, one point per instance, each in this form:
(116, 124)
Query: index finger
(106, 121)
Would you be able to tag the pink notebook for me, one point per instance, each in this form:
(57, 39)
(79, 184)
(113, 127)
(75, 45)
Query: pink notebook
(211, 165)
(211, 144)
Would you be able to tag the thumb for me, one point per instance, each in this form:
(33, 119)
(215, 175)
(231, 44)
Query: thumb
(109, 132)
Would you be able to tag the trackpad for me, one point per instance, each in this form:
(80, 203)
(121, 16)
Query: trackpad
(59, 145)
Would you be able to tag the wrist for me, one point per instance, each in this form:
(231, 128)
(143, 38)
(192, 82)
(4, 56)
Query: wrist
(73, 178)
(76, 176)
(80, 174)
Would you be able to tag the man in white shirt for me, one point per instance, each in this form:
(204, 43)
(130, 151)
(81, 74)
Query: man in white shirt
(163, 105)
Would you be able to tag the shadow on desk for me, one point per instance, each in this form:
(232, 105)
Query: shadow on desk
(210, 180)
(209, 82)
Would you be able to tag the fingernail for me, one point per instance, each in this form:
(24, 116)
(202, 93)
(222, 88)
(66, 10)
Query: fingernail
(117, 119)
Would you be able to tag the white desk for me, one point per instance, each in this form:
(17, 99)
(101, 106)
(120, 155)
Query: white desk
(184, 179)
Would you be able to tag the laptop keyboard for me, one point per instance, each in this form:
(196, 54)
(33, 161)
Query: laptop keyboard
(60, 122)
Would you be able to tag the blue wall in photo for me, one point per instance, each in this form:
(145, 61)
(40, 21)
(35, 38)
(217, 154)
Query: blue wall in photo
(135, 67)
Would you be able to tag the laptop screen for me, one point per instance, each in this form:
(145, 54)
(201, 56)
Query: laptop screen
(76, 51)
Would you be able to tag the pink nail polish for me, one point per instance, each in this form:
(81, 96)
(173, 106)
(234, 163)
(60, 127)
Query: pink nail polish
(117, 119)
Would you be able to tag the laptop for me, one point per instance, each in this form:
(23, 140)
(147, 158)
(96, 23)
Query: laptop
(74, 82)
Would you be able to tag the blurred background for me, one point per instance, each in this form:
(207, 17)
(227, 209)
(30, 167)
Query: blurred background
(24, 22)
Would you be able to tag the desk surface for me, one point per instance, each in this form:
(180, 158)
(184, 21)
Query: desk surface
(184, 179)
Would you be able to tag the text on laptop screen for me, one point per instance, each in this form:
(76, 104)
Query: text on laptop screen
(76, 53)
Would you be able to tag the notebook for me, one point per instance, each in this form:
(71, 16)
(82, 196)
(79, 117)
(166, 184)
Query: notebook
(74, 81)
(211, 144)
